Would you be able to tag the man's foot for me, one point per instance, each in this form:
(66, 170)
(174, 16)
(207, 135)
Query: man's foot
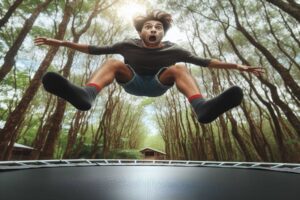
(80, 98)
(208, 110)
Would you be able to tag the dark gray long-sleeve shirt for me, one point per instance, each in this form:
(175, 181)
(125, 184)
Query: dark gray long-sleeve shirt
(148, 62)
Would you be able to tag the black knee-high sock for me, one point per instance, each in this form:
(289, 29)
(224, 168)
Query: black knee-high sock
(208, 110)
(81, 98)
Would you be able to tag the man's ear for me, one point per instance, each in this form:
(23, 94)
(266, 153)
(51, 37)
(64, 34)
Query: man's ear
(140, 33)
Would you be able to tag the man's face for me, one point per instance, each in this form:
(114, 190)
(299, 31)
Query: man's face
(152, 33)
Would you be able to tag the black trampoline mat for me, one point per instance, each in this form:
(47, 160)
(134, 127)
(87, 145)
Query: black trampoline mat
(147, 182)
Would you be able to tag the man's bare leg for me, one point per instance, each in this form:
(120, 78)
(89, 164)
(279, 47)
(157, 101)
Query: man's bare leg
(179, 74)
(110, 70)
(206, 110)
(82, 97)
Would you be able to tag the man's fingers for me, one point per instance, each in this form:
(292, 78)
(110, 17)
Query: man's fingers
(40, 41)
(257, 70)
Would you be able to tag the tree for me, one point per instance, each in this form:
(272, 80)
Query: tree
(269, 99)
(9, 12)
(291, 7)
(9, 132)
(57, 117)
(9, 59)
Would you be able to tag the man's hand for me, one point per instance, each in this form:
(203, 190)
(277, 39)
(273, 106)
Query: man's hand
(47, 41)
(257, 71)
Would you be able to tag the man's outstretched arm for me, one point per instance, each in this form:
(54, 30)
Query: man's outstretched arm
(53, 42)
(223, 65)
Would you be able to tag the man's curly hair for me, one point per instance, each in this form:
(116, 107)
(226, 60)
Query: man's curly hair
(158, 15)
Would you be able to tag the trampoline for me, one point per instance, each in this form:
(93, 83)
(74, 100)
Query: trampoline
(139, 180)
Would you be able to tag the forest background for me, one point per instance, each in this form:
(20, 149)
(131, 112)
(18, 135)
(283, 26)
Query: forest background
(265, 127)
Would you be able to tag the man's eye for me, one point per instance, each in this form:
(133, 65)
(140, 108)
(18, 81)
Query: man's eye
(158, 27)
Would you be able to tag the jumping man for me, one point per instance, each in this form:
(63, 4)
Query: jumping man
(149, 69)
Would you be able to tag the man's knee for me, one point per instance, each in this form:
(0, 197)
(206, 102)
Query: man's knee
(120, 69)
(169, 75)
(117, 66)
(178, 69)
(111, 62)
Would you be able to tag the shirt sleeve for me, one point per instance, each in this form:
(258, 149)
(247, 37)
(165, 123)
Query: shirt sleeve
(109, 49)
(194, 59)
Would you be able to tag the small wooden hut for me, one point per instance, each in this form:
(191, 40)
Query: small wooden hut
(152, 154)
(21, 152)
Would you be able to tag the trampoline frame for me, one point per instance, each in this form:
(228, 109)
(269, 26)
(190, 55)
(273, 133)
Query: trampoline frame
(29, 164)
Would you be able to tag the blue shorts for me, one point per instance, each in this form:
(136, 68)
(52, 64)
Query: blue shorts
(149, 86)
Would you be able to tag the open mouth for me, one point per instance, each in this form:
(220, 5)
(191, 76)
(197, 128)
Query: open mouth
(152, 38)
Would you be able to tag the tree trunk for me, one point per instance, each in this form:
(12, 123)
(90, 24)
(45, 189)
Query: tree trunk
(283, 72)
(278, 131)
(258, 139)
(274, 93)
(288, 27)
(72, 134)
(292, 9)
(9, 59)
(48, 150)
(53, 132)
(15, 117)
(9, 12)
(239, 138)
(57, 117)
